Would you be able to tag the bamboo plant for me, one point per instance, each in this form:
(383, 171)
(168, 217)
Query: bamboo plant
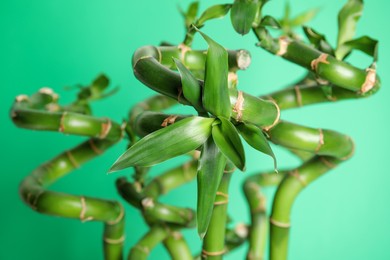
(224, 116)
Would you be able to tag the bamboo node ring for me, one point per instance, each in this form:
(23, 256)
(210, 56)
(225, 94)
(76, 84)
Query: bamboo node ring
(279, 223)
(238, 107)
(321, 59)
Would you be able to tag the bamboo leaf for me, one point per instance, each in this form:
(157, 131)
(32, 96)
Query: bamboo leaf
(304, 17)
(191, 88)
(190, 16)
(255, 138)
(228, 141)
(211, 167)
(216, 98)
(347, 20)
(318, 40)
(243, 14)
(100, 83)
(213, 12)
(161, 145)
(269, 21)
(364, 44)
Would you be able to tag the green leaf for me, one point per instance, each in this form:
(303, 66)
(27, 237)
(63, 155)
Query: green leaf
(269, 21)
(228, 141)
(243, 14)
(254, 137)
(211, 167)
(304, 17)
(216, 98)
(100, 83)
(347, 20)
(318, 40)
(191, 88)
(173, 140)
(364, 44)
(213, 12)
(190, 16)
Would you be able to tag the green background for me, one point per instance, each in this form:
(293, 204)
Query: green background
(61, 43)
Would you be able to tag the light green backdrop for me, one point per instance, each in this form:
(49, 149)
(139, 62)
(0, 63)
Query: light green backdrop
(57, 43)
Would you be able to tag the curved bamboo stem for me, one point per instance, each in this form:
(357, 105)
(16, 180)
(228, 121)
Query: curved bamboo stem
(34, 113)
(33, 192)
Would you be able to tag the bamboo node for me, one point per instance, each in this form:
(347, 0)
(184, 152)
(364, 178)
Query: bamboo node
(327, 163)
(147, 203)
(351, 153)
(143, 249)
(277, 118)
(284, 41)
(119, 217)
(217, 253)
(183, 51)
(94, 148)
(47, 91)
(229, 170)
(222, 202)
(238, 107)
(105, 129)
(61, 128)
(321, 59)
(222, 194)
(176, 235)
(241, 230)
(72, 159)
(114, 241)
(294, 173)
(21, 98)
(369, 81)
(322, 81)
(169, 120)
(279, 223)
(84, 210)
(320, 141)
(298, 95)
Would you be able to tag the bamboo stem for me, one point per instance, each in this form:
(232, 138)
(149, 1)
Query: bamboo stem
(286, 193)
(26, 113)
(258, 230)
(143, 248)
(214, 240)
(33, 193)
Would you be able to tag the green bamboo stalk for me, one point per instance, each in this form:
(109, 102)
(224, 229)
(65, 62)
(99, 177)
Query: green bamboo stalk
(302, 95)
(258, 230)
(143, 248)
(28, 113)
(286, 193)
(33, 192)
(325, 66)
(171, 179)
(318, 141)
(177, 247)
(214, 240)
(152, 210)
